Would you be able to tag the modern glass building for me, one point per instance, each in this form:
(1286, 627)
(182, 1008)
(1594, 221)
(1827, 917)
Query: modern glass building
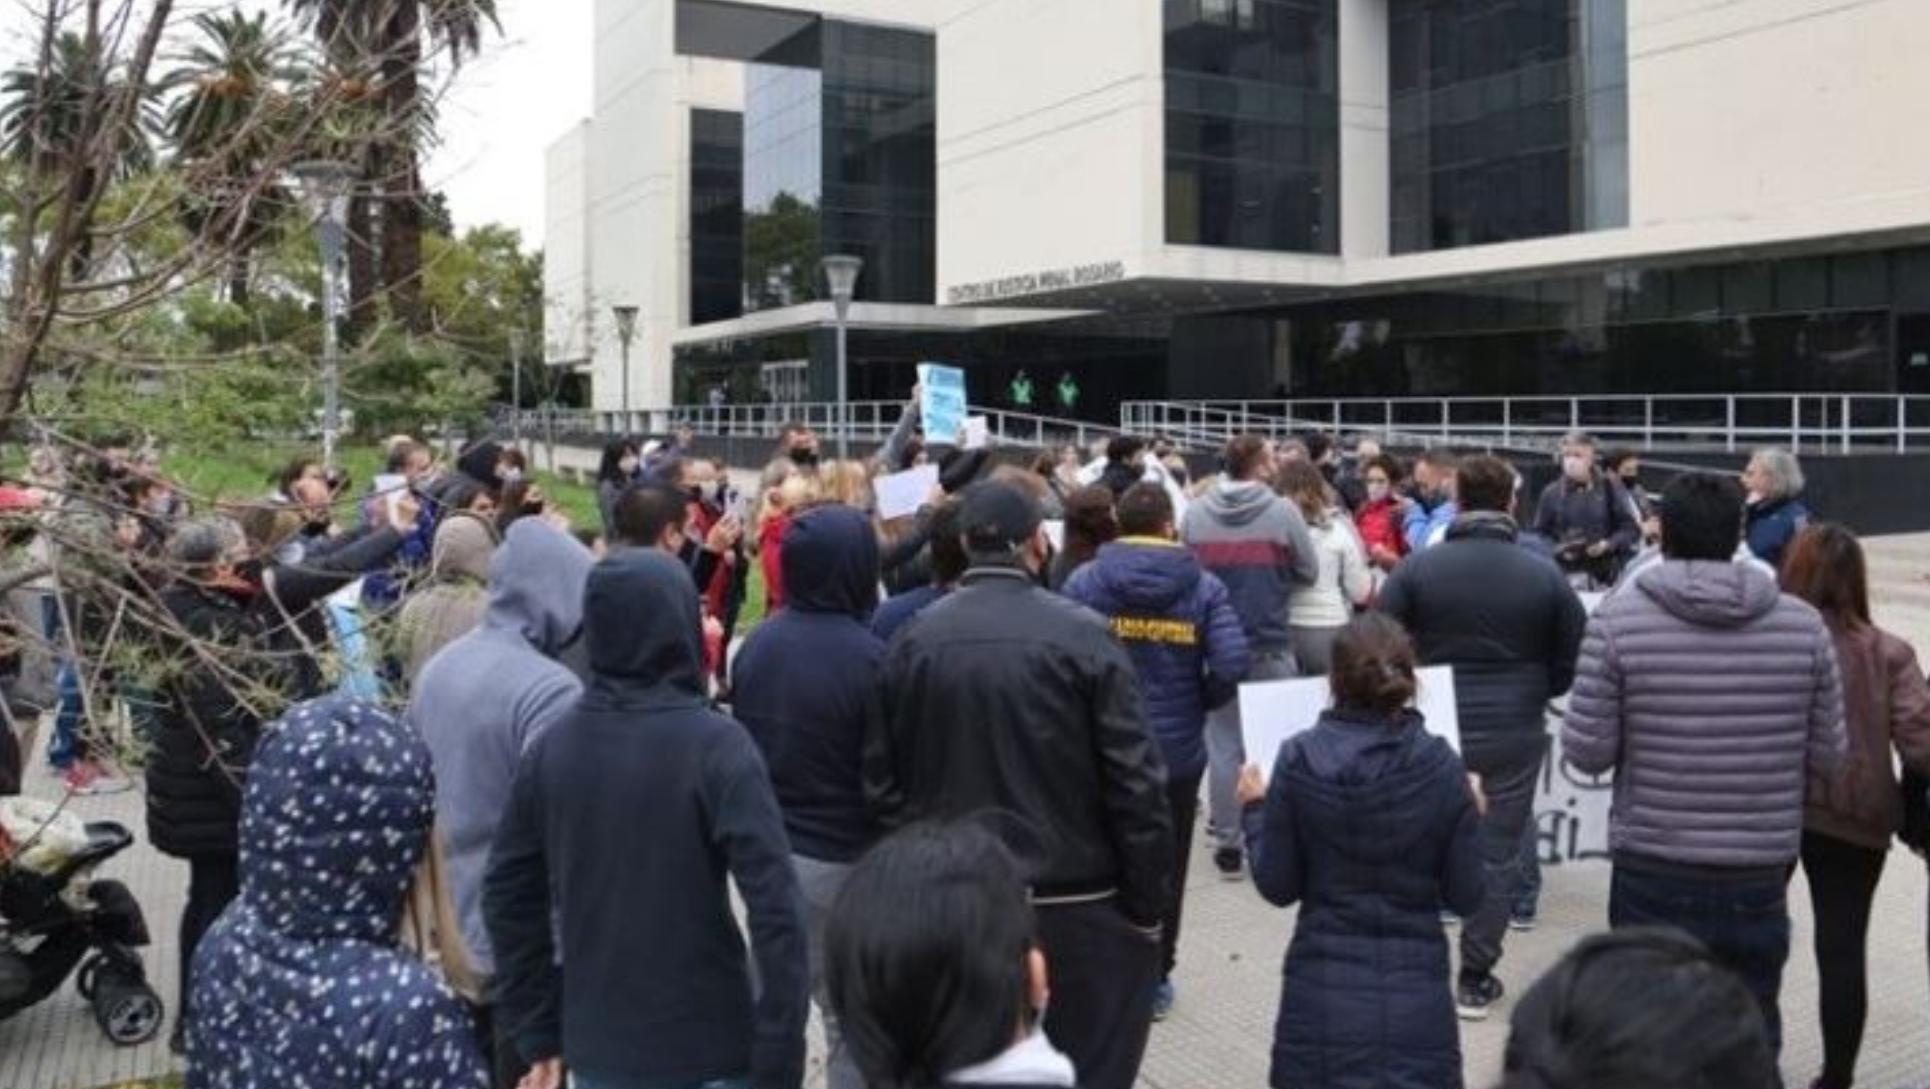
(1175, 199)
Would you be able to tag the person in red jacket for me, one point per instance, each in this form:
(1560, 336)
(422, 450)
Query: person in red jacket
(1379, 516)
(781, 504)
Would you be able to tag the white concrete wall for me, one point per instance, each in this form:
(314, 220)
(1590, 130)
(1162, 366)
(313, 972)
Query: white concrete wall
(1050, 137)
(567, 312)
(1365, 184)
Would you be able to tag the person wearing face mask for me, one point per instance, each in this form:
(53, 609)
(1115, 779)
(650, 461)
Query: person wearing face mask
(1429, 512)
(1378, 516)
(616, 474)
(1006, 696)
(1588, 517)
(716, 552)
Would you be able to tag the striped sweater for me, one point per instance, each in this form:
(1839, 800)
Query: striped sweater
(1258, 545)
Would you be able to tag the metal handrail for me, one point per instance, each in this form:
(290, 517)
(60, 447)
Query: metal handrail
(871, 421)
(1841, 423)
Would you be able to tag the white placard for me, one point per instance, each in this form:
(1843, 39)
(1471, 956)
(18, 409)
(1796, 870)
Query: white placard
(1273, 711)
(1055, 531)
(974, 434)
(901, 494)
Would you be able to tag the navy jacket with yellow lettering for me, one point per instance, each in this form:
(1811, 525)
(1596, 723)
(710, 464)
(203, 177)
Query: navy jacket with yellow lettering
(1178, 623)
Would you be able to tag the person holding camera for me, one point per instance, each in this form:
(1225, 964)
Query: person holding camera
(1588, 517)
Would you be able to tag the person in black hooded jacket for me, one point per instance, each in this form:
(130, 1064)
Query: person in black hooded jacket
(639, 809)
(806, 687)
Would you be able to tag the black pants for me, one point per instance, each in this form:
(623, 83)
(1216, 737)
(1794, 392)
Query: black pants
(506, 1067)
(1103, 971)
(1744, 924)
(1511, 808)
(1183, 801)
(213, 883)
(1842, 886)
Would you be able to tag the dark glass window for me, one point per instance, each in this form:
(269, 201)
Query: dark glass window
(716, 215)
(1252, 124)
(1509, 120)
(783, 185)
(880, 153)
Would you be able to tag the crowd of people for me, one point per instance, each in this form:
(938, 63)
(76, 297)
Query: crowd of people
(471, 797)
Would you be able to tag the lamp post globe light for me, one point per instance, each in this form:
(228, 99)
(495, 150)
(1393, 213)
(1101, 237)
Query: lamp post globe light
(626, 315)
(325, 187)
(841, 275)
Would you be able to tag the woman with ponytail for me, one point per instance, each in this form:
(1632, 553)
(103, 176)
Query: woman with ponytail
(933, 968)
(1371, 825)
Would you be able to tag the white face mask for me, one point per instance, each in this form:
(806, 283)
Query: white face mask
(1377, 490)
(510, 474)
(1576, 466)
(628, 465)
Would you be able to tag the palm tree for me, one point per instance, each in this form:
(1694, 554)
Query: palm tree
(391, 34)
(48, 119)
(231, 111)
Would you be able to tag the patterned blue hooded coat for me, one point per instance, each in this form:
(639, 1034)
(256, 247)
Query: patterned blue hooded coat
(301, 984)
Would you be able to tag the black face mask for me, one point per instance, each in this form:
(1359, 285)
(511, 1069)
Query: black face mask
(804, 456)
(249, 571)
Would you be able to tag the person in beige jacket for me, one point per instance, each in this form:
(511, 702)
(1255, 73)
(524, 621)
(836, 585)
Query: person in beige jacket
(452, 604)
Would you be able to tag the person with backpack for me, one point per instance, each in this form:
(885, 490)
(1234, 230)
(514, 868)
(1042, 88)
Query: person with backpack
(1587, 517)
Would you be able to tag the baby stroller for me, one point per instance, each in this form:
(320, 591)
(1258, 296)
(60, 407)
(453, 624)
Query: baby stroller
(55, 915)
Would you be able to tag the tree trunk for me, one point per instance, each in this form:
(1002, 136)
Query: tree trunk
(402, 181)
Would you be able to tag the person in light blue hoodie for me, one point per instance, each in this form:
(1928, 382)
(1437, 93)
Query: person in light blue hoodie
(482, 700)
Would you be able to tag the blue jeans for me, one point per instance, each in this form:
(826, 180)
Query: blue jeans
(1745, 924)
(578, 1081)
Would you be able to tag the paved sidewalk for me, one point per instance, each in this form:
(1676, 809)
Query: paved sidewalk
(1221, 1030)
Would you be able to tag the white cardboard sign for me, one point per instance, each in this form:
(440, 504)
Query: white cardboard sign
(1273, 711)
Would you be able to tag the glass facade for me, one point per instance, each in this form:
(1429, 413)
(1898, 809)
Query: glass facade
(841, 157)
(880, 157)
(716, 215)
(783, 172)
(1509, 120)
(1805, 324)
(1253, 124)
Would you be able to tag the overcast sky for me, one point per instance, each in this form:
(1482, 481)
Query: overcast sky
(530, 84)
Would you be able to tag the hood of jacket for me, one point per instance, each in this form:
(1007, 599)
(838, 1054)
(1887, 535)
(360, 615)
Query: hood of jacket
(1354, 771)
(334, 820)
(536, 582)
(1484, 524)
(831, 563)
(463, 547)
(1238, 502)
(640, 614)
(1145, 573)
(1710, 594)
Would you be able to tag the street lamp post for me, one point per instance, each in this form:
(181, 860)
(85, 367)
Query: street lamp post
(516, 387)
(326, 185)
(841, 273)
(626, 316)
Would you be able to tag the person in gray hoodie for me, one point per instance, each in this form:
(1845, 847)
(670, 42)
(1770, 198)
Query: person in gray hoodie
(482, 700)
(1259, 546)
(1714, 698)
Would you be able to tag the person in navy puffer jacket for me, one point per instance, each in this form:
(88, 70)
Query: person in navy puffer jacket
(303, 980)
(1371, 825)
(1179, 624)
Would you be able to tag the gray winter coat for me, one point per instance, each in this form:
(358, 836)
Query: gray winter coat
(1712, 696)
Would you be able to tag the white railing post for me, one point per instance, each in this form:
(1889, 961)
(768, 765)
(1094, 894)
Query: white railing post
(1648, 422)
(1846, 424)
(1729, 431)
(1795, 425)
(1387, 415)
(1902, 425)
(1507, 421)
(1336, 420)
(1574, 414)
